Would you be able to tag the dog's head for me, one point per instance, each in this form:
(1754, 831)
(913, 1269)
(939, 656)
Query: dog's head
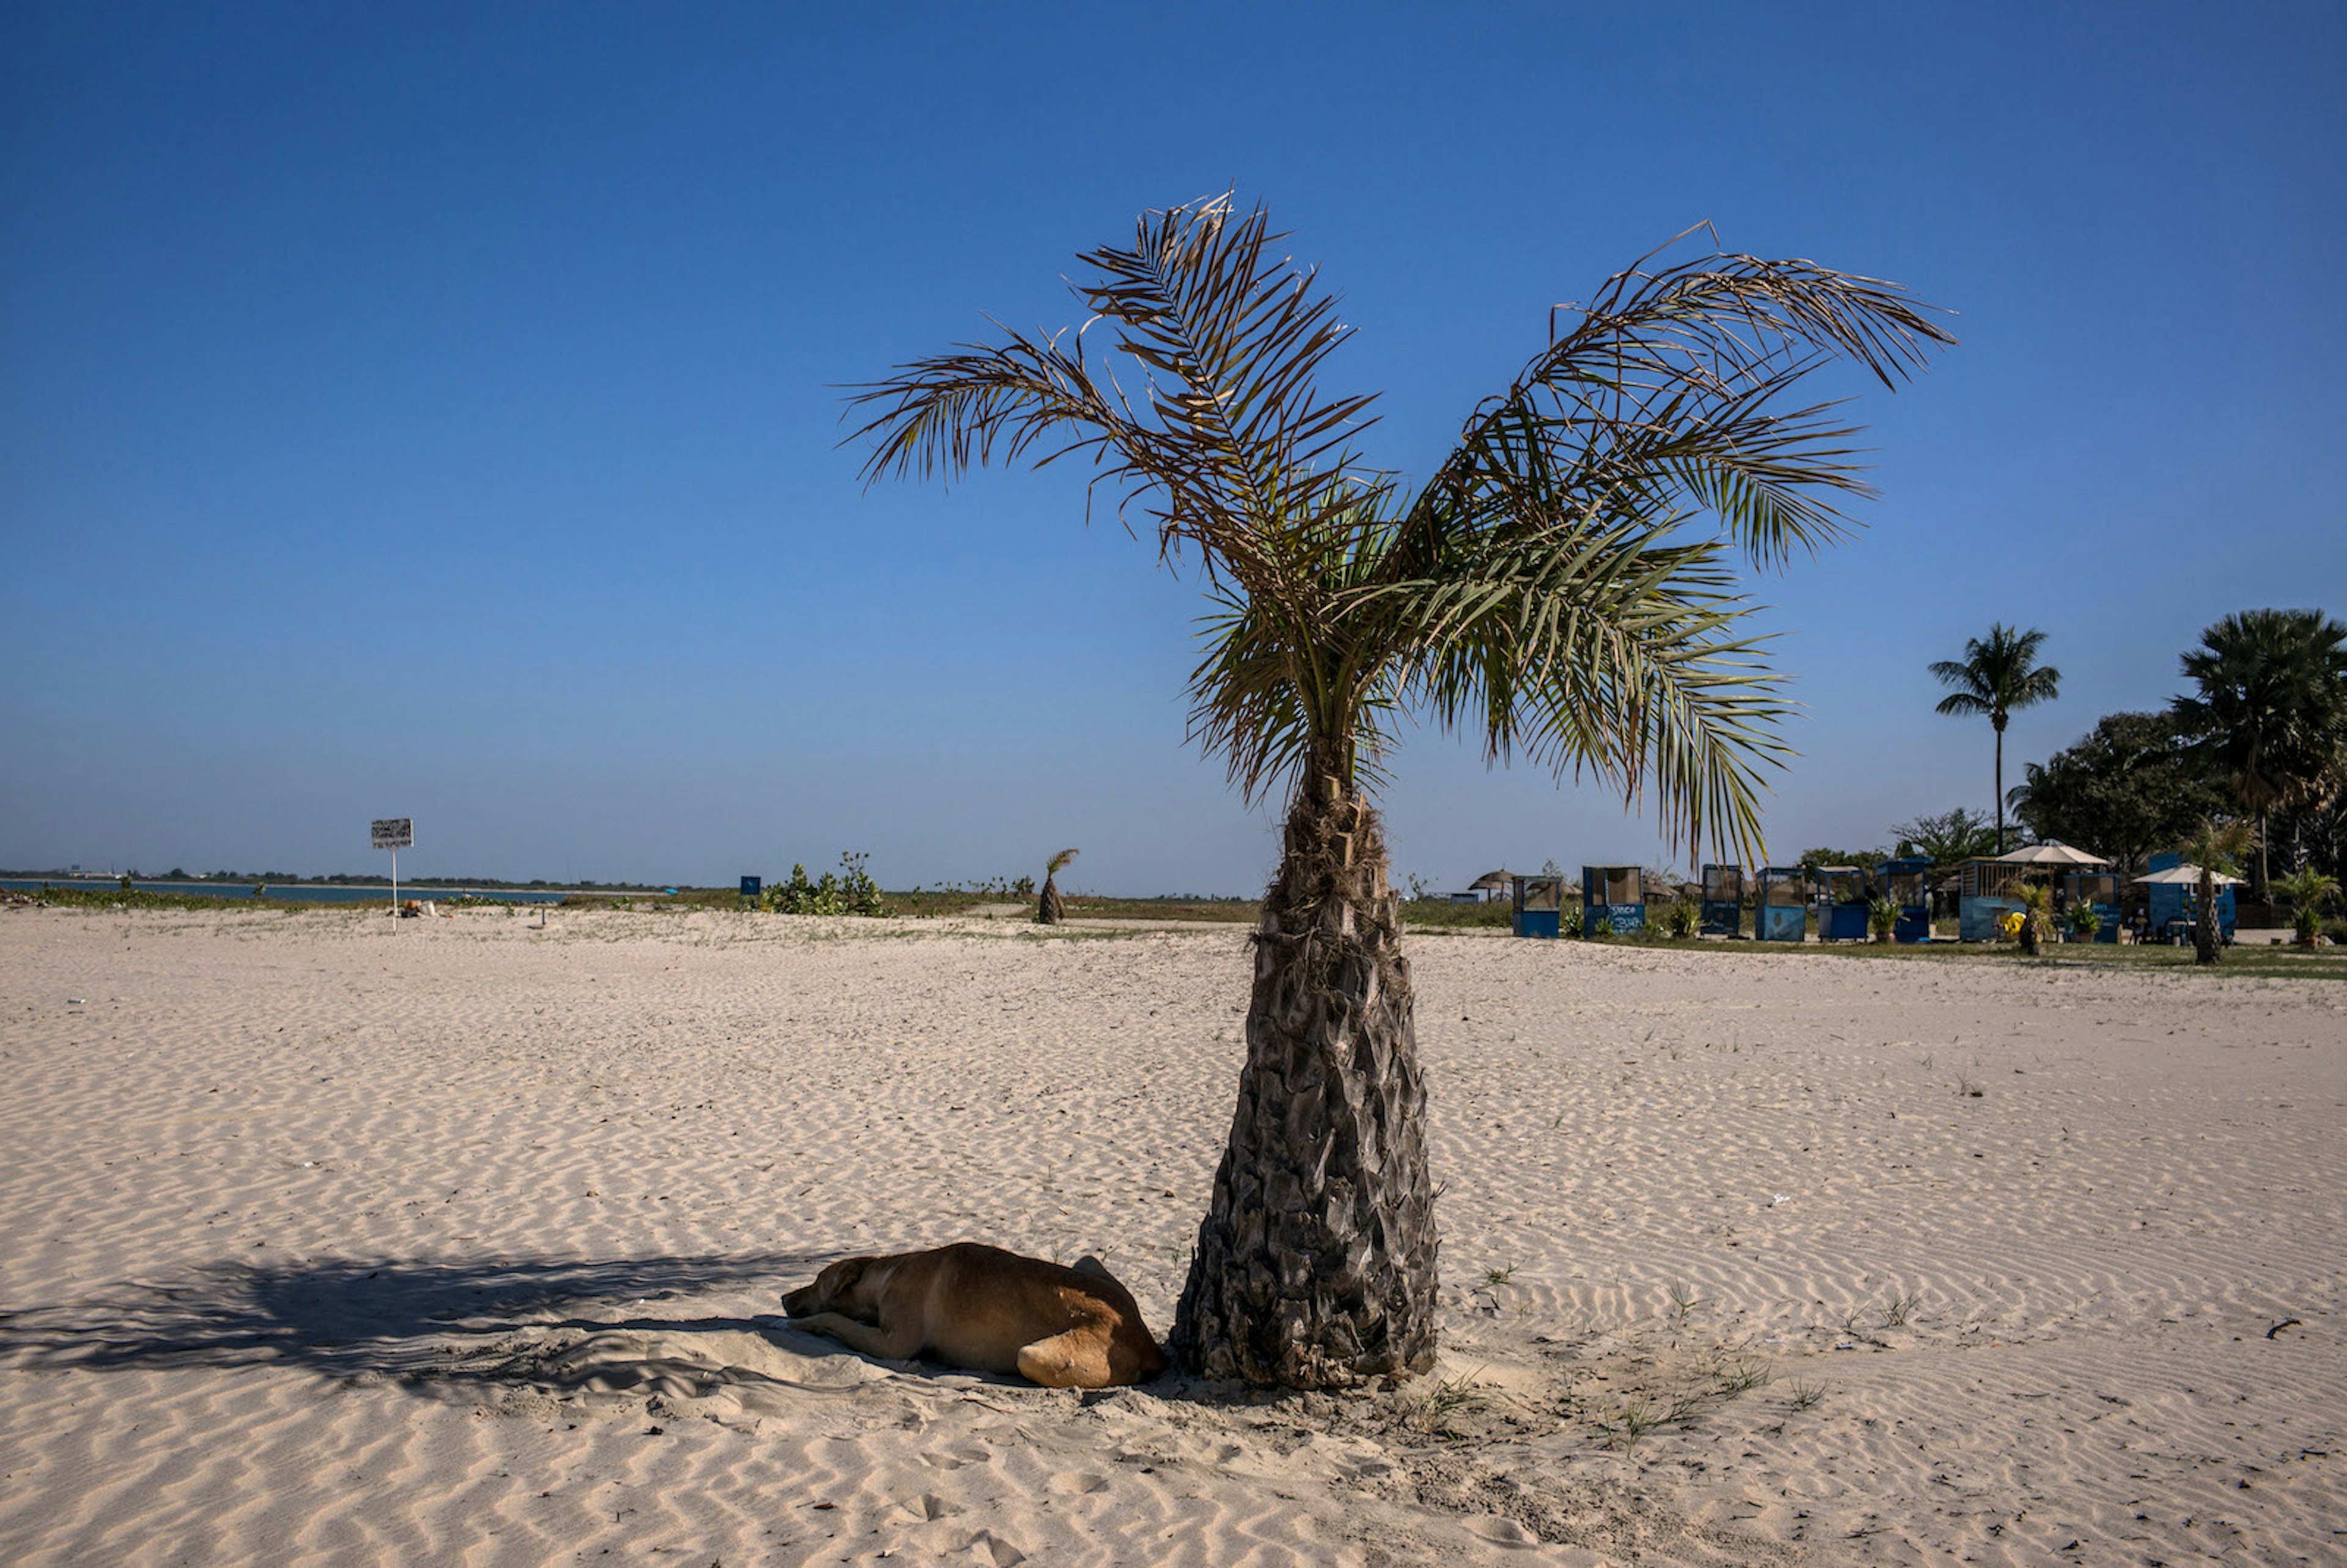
(850, 1288)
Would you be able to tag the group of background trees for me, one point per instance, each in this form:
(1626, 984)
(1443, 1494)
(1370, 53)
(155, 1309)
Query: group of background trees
(2260, 736)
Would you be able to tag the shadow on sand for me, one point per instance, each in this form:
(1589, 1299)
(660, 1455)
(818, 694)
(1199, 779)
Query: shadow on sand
(405, 1319)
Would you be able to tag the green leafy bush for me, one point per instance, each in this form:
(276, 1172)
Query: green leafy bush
(1681, 918)
(1882, 917)
(848, 891)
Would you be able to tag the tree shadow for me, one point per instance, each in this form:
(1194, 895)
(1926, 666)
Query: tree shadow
(401, 1318)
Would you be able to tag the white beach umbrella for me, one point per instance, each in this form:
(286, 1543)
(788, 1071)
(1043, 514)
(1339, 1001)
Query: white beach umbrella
(2053, 852)
(2187, 875)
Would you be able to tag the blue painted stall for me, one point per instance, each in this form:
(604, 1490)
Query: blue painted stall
(1539, 906)
(1907, 882)
(1780, 904)
(1841, 903)
(1986, 891)
(1613, 899)
(1723, 901)
(2097, 890)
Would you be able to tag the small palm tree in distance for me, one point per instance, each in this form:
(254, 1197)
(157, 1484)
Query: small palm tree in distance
(1998, 674)
(1562, 585)
(2306, 889)
(1048, 911)
(2215, 847)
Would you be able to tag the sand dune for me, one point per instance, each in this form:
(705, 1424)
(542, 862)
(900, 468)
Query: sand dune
(327, 1239)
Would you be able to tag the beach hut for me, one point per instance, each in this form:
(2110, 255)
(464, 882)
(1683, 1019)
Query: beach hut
(1539, 906)
(1907, 882)
(1988, 889)
(1491, 883)
(1780, 904)
(1841, 903)
(1613, 899)
(2098, 890)
(1723, 901)
(2174, 885)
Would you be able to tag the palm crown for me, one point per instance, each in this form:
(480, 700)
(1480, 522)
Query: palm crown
(2272, 708)
(1540, 590)
(1997, 674)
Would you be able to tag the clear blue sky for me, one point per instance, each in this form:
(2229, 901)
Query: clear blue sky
(419, 412)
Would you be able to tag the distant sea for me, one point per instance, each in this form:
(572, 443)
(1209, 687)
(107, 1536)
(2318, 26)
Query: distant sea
(302, 892)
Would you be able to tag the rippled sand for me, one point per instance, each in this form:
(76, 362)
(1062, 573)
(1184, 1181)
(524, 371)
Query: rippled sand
(324, 1238)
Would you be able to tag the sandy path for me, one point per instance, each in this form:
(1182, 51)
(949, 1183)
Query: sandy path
(459, 1242)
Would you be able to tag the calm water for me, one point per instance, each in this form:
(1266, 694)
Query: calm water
(305, 892)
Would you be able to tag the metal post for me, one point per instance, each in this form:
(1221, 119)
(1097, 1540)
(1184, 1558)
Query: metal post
(395, 887)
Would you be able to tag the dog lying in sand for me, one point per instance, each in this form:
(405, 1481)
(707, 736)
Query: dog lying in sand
(986, 1309)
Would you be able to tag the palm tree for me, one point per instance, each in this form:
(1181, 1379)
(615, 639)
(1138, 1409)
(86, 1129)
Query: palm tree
(1050, 911)
(2215, 848)
(1997, 674)
(1562, 585)
(2271, 711)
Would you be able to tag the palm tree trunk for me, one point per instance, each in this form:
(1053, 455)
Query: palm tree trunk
(2000, 784)
(2263, 891)
(1315, 1262)
(1050, 911)
(2206, 948)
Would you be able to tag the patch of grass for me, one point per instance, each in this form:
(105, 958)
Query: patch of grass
(1684, 1301)
(2241, 962)
(1441, 914)
(1500, 1276)
(1900, 1309)
(1968, 1088)
(1742, 1377)
(1804, 1397)
(1634, 1420)
(204, 903)
(1432, 1412)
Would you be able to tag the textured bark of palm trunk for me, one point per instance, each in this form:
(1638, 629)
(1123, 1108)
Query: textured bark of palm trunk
(1050, 911)
(1315, 1262)
(2206, 947)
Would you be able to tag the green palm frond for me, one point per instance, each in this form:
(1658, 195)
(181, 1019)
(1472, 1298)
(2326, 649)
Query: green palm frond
(1561, 587)
(1598, 647)
(1998, 674)
(1669, 383)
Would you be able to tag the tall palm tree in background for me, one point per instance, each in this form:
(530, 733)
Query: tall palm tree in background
(2271, 711)
(1564, 586)
(1997, 674)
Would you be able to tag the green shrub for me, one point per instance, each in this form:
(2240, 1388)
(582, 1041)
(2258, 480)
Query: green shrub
(849, 891)
(1681, 918)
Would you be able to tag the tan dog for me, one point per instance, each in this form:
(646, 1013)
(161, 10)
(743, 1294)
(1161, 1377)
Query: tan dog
(981, 1308)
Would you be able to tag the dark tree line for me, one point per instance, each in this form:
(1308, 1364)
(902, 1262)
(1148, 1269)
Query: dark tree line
(2261, 735)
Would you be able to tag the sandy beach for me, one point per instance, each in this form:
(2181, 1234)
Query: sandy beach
(331, 1238)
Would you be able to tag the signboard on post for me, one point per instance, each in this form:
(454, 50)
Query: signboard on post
(394, 834)
(750, 886)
